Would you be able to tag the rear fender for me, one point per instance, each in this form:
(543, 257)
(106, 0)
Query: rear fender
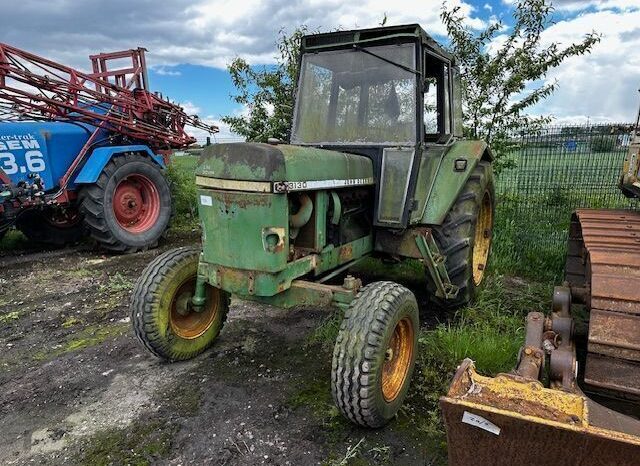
(451, 178)
(102, 155)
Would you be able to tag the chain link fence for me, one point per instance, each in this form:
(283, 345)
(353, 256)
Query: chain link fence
(549, 174)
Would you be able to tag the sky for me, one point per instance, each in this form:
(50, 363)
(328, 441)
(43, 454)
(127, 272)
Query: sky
(190, 42)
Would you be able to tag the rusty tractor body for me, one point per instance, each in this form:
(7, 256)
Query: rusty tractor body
(515, 418)
(376, 166)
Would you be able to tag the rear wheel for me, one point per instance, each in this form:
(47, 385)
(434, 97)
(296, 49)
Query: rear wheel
(465, 238)
(162, 315)
(375, 353)
(129, 207)
(51, 226)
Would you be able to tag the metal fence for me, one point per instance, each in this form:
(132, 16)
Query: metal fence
(550, 173)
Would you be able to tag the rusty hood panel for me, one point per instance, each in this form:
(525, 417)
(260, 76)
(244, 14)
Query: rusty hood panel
(277, 163)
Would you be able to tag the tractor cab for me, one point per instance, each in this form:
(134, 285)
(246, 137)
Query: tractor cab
(391, 94)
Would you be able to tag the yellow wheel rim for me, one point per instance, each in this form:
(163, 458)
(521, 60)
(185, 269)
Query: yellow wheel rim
(482, 242)
(397, 360)
(187, 323)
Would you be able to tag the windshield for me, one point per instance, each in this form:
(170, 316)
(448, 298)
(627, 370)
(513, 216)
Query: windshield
(353, 97)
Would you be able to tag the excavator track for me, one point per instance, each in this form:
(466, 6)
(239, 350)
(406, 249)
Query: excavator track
(603, 271)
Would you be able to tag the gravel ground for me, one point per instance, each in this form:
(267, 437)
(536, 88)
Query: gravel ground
(77, 388)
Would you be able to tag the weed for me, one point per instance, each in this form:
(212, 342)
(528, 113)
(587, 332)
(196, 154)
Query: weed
(351, 454)
(13, 239)
(327, 332)
(381, 454)
(117, 282)
(8, 317)
(407, 271)
(70, 322)
(315, 395)
(85, 338)
(80, 273)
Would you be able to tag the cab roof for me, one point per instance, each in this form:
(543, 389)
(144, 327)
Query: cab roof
(402, 33)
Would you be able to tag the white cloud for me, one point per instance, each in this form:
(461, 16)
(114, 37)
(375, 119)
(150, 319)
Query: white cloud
(224, 135)
(205, 32)
(578, 5)
(190, 108)
(165, 71)
(604, 84)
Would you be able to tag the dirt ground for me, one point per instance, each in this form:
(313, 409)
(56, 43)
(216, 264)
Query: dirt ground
(77, 388)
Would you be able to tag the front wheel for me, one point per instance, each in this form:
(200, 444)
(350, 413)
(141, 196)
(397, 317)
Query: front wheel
(375, 354)
(129, 207)
(162, 315)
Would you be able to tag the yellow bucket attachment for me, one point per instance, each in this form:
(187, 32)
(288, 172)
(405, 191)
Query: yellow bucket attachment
(509, 420)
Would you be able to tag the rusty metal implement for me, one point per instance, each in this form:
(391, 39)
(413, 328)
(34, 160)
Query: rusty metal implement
(511, 420)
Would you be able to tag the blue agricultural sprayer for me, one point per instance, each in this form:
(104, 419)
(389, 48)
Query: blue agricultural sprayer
(86, 152)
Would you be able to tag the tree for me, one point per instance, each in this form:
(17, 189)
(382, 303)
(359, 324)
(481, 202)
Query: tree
(267, 93)
(501, 67)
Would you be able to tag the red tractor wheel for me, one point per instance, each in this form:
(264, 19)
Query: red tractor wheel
(136, 203)
(129, 207)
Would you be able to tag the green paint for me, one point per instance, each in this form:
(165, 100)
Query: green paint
(432, 156)
(321, 207)
(448, 183)
(332, 257)
(233, 226)
(264, 162)
(435, 263)
(254, 283)
(310, 164)
(302, 293)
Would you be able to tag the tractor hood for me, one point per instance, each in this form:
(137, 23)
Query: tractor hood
(277, 168)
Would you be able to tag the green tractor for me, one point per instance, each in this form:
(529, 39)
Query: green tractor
(376, 167)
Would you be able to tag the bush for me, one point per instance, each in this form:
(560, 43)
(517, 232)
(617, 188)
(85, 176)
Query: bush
(183, 189)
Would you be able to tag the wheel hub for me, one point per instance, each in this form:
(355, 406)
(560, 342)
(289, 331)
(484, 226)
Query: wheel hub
(136, 203)
(184, 320)
(398, 357)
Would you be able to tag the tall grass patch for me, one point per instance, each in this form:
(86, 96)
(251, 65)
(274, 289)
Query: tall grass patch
(182, 176)
(490, 331)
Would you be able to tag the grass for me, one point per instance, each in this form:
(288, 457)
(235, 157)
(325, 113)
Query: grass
(13, 239)
(116, 283)
(535, 201)
(89, 336)
(9, 316)
(490, 331)
(140, 444)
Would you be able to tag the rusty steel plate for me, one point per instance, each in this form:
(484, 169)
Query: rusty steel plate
(604, 257)
(507, 421)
